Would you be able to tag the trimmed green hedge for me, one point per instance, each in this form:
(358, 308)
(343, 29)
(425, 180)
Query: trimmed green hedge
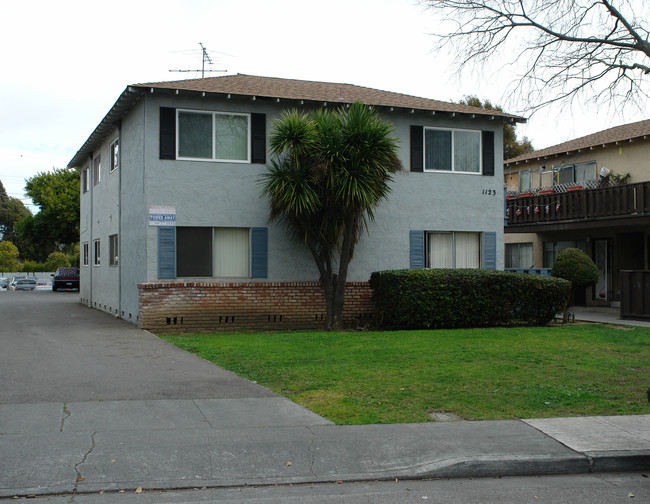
(449, 298)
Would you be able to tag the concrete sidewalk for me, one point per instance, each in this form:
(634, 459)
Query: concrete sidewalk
(604, 315)
(49, 448)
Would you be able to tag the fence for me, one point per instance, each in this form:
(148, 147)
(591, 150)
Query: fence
(611, 201)
(635, 294)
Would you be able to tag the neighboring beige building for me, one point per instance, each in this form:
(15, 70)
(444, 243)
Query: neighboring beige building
(559, 197)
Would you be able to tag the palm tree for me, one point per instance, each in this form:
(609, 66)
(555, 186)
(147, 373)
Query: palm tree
(328, 173)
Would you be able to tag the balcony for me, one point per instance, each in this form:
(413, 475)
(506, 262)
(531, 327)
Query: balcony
(579, 206)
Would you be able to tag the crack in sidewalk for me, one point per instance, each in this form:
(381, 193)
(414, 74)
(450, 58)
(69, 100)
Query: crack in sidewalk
(311, 451)
(205, 418)
(66, 415)
(79, 477)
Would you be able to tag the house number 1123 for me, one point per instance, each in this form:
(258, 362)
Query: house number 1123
(489, 192)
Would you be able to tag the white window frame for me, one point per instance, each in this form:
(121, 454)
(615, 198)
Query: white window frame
(114, 151)
(214, 114)
(97, 251)
(113, 252)
(453, 166)
(86, 254)
(453, 235)
(97, 169)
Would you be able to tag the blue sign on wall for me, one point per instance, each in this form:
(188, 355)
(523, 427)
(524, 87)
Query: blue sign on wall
(162, 216)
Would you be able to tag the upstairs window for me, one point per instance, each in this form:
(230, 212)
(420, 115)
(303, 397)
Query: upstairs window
(97, 169)
(576, 173)
(213, 136)
(525, 180)
(115, 155)
(452, 150)
(85, 180)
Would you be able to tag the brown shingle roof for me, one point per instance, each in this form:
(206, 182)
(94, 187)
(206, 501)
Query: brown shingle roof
(283, 89)
(617, 134)
(291, 89)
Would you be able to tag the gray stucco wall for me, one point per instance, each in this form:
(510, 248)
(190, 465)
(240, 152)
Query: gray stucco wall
(220, 194)
(100, 219)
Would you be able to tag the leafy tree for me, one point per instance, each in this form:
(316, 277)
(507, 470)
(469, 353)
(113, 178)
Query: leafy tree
(597, 49)
(56, 260)
(57, 195)
(12, 211)
(34, 238)
(8, 256)
(574, 265)
(511, 146)
(56, 225)
(329, 171)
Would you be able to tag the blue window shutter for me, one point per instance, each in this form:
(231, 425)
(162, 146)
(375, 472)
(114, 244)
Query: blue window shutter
(167, 133)
(488, 153)
(258, 138)
(259, 252)
(417, 148)
(166, 252)
(490, 251)
(417, 249)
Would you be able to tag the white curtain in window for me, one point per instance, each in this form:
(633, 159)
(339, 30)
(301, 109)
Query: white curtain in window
(231, 252)
(441, 250)
(526, 255)
(231, 137)
(467, 250)
(467, 151)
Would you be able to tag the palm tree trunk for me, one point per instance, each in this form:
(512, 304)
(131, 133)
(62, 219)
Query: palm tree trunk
(338, 301)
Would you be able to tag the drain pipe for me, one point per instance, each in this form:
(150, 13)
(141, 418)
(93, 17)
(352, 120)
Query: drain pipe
(91, 243)
(119, 219)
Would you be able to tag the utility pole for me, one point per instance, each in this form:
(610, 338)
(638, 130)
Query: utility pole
(205, 57)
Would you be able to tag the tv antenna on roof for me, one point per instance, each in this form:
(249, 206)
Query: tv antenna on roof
(205, 58)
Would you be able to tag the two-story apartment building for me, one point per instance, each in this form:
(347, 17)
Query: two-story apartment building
(170, 189)
(592, 193)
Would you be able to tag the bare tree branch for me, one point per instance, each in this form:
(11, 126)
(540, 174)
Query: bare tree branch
(595, 49)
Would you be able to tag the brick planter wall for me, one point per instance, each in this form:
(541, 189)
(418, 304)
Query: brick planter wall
(196, 306)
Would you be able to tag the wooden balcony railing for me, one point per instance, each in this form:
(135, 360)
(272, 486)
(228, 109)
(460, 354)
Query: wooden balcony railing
(585, 204)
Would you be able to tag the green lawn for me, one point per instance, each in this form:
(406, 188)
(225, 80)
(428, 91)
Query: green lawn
(478, 374)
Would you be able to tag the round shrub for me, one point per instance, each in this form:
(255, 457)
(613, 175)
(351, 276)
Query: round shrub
(574, 265)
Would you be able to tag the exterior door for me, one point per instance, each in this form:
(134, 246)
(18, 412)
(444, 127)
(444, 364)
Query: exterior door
(603, 260)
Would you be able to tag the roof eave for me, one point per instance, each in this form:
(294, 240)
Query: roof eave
(124, 103)
(132, 94)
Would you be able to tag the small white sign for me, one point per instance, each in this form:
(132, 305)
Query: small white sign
(162, 216)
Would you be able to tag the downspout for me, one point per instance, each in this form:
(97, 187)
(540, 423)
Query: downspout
(119, 219)
(91, 243)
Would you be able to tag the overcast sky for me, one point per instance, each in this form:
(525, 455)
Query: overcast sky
(65, 63)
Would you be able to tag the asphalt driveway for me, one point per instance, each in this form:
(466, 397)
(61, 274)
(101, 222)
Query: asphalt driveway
(53, 349)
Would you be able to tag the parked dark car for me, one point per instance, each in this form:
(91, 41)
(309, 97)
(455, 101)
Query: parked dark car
(65, 278)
